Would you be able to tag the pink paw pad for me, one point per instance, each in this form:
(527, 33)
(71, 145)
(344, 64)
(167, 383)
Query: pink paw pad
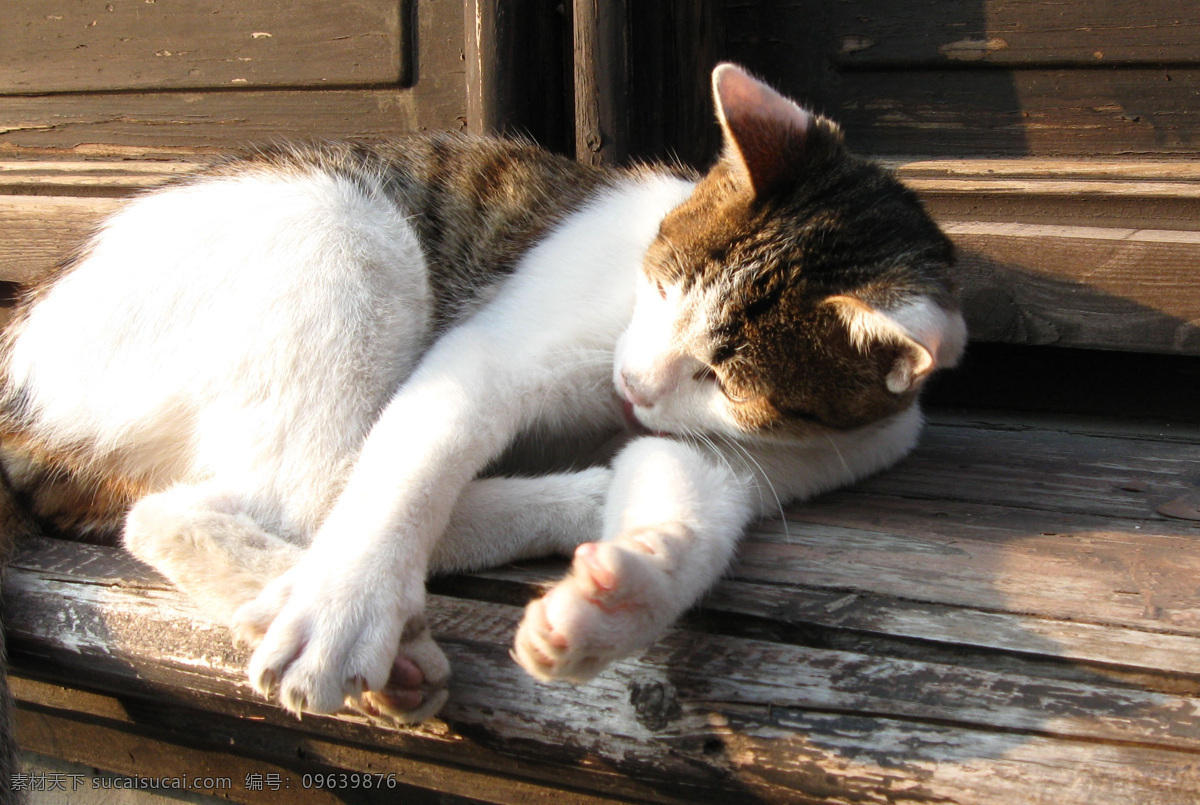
(407, 697)
(587, 560)
(403, 689)
(615, 602)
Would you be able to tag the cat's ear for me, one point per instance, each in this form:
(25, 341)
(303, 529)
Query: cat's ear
(904, 361)
(763, 131)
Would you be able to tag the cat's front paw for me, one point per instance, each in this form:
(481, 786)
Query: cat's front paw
(616, 601)
(325, 643)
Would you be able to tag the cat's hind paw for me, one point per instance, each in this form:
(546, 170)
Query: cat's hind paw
(410, 696)
(615, 602)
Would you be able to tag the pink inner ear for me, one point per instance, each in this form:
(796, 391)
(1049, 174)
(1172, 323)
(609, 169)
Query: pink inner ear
(740, 95)
(762, 128)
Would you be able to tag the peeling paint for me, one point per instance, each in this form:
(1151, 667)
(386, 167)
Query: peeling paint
(972, 49)
(854, 43)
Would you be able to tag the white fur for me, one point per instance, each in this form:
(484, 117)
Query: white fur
(205, 320)
(941, 332)
(256, 348)
(654, 370)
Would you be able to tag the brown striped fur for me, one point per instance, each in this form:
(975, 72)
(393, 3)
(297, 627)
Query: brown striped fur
(785, 223)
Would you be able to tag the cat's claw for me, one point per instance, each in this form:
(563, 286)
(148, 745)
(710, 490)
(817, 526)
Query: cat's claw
(615, 602)
(326, 649)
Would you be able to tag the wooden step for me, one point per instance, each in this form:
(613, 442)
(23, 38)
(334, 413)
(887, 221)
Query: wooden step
(1097, 254)
(1006, 616)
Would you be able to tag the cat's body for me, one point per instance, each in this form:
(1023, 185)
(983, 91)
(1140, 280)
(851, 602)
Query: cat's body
(314, 375)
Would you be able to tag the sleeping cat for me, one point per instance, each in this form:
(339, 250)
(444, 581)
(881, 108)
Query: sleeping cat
(304, 381)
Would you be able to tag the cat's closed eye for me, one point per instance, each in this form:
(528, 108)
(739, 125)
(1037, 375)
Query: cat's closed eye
(710, 375)
(732, 395)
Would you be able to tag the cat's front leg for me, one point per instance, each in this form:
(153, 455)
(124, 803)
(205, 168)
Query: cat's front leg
(340, 631)
(333, 625)
(673, 518)
(207, 543)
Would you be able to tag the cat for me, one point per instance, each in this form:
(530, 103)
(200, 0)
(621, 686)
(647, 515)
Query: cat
(302, 381)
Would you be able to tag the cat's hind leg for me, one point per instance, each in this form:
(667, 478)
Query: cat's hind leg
(495, 521)
(500, 520)
(205, 541)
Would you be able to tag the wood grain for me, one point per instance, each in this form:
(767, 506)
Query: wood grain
(1127, 193)
(38, 233)
(103, 45)
(238, 115)
(1110, 287)
(1011, 33)
(1036, 539)
(938, 81)
(689, 692)
(1098, 287)
(601, 45)
(944, 630)
(216, 120)
(62, 735)
(1038, 112)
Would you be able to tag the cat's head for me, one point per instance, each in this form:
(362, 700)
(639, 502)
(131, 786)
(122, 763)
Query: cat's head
(798, 287)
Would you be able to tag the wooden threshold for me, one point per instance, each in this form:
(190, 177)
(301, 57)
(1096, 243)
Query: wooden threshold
(1080, 253)
(1008, 616)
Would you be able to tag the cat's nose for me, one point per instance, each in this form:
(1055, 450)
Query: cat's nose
(632, 390)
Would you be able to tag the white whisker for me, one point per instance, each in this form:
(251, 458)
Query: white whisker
(838, 452)
(765, 479)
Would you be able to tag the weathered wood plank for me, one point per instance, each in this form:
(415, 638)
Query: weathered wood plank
(1011, 33)
(601, 36)
(1128, 194)
(98, 45)
(1106, 288)
(38, 232)
(164, 738)
(101, 177)
(222, 120)
(1159, 660)
(966, 574)
(1025, 112)
(129, 625)
(700, 709)
(225, 119)
(944, 109)
(1035, 169)
(1087, 286)
(849, 609)
(1103, 578)
(1108, 591)
(117, 748)
(1046, 469)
